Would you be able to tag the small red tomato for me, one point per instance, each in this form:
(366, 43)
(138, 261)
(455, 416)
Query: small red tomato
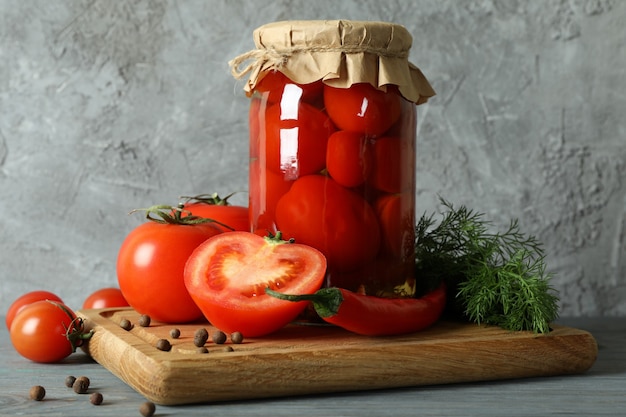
(227, 276)
(150, 267)
(266, 188)
(276, 84)
(27, 299)
(43, 331)
(389, 174)
(363, 108)
(296, 139)
(219, 209)
(348, 158)
(397, 224)
(105, 298)
(340, 223)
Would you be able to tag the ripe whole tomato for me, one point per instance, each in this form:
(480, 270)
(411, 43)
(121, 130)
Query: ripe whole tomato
(26, 299)
(363, 108)
(104, 298)
(150, 267)
(227, 276)
(228, 217)
(340, 223)
(46, 331)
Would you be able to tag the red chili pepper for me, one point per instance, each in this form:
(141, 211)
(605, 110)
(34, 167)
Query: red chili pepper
(373, 316)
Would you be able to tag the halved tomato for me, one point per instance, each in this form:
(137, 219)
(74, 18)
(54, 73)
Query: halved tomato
(227, 275)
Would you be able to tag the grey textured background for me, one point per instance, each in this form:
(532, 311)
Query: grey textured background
(106, 106)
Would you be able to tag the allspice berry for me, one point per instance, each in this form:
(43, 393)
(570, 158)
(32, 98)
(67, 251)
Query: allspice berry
(147, 409)
(175, 333)
(219, 337)
(164, 345)
(37, 393)
(144, 320)
(81, 385)
(126, 324)
(200, 337)
(69, 381)
(95, 398)
(236, 337)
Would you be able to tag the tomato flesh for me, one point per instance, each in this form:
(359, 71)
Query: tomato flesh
(227, 275)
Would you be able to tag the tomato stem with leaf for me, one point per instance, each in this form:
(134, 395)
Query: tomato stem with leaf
(75, 332)
(373, 316)
(165, 214)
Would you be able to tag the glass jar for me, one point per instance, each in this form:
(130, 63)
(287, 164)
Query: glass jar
(333, 146)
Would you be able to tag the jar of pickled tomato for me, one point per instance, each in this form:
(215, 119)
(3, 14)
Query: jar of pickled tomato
(332, 126)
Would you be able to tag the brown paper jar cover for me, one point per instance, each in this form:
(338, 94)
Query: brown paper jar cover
(339, 52)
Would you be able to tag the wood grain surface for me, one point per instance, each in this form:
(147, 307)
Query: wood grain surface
(305, 359)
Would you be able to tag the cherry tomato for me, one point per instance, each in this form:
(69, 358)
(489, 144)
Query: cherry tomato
(27, 299)
(104, 298)
(296, 139)
(266, 188)
(278, 85)
(150, 267)
(220, 210)
(363, 108)
(227, 276)
(341, 224)
(397, 224)
(42, 331)
(388, 173)
(348, 158)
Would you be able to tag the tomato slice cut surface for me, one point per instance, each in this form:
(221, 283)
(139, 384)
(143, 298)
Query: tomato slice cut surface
(227, 275)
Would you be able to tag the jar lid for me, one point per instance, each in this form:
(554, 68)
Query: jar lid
(339, 52)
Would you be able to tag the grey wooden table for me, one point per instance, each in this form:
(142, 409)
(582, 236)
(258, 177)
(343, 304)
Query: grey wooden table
(599, 392)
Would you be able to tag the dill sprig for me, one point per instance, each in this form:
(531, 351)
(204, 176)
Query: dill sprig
(492, 278)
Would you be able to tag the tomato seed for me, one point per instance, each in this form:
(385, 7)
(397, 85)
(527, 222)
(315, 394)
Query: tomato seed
(69, 381)
(81, 385)
(147, 409)
(219, 337)
(175, 333)
(37, 393)
(144, 320)
(236, 337)
(164, 345)
(200, 337)
(126, 324)
(95, 398)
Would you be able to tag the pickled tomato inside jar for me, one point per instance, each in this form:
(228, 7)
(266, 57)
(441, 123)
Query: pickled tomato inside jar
(334, 168)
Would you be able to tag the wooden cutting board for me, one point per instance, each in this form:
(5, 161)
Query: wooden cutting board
(309, 359)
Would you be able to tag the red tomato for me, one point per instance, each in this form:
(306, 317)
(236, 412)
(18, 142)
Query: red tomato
(363, 108)
(266, 188)
(388, 173)
(236, 217)
(26, 299)
(341, 224)
(227, 276)
(150, 267)
(296, 139)
(277, 84)
(397, 224)
(40, 331)
(104, 298)
(348, 158)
